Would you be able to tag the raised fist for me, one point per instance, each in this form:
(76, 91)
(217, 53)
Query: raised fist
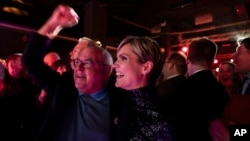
(64, 16)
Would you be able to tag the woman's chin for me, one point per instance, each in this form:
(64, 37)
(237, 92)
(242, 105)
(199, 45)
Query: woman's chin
(118, 85)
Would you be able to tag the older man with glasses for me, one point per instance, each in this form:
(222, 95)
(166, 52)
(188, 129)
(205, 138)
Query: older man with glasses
(82, 107)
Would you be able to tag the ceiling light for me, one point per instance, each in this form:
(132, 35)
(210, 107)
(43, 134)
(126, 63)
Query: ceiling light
(15, 10)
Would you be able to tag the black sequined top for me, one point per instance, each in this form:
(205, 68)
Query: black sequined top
(147, 122)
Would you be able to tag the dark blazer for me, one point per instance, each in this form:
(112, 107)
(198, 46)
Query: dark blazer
(18, 110)
(200, 100)
(166, 90)
(60, 88)
(247, 91)
(168, 87)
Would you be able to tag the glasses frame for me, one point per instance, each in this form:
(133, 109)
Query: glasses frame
(87, 64)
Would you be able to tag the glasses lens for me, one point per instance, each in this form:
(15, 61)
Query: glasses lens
(77, 63)
(81, 64)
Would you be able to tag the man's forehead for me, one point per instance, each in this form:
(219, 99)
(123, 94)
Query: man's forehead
(90, 54)
(81, 45)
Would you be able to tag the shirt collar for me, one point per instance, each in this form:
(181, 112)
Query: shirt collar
(248, 75)
(172, 76)
(197, 71)
(98, 96)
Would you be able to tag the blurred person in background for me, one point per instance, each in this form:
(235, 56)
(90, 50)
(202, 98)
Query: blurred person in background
(61, 66)
(241, 59)
(50, 58)
(17, 103)
(4, 79)
(174, 72)
(14, 65)
(229, 78)
(200, 102)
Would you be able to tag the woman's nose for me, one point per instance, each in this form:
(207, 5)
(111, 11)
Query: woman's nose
(115, 65)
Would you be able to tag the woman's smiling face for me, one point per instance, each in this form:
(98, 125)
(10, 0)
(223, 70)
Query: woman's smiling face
(129, 72)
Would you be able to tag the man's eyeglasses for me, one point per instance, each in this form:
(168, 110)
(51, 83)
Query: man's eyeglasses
(83, 64)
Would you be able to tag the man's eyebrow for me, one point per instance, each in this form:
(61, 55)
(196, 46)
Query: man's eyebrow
(87, 60)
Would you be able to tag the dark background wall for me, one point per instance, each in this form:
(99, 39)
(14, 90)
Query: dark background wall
(13, 39)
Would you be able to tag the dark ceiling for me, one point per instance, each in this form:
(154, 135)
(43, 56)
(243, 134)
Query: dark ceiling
(172, 22)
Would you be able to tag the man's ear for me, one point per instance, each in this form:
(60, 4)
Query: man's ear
(147, 67)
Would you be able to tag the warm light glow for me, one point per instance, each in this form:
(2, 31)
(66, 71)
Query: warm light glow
(162, 50)
(99, 44)
(217, 69)
(215, 61)
(184, 49)
(15, 10)
(231, 60)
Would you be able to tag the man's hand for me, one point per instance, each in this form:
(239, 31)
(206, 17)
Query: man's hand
(62, 17)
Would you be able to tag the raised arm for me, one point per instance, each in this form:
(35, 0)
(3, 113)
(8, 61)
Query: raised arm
(62, 17)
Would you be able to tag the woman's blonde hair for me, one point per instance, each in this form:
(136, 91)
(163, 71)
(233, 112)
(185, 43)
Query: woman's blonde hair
(146, 49)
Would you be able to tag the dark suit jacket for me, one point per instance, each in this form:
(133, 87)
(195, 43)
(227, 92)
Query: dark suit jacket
(18, 110)
(247, 91)
(60, 87)
(166, 89)
(200, 100)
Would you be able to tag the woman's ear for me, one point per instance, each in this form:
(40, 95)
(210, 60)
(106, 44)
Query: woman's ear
(147, 67)
(171, 65)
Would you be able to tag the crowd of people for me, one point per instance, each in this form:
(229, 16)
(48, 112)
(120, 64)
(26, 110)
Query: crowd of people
(144, 95)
